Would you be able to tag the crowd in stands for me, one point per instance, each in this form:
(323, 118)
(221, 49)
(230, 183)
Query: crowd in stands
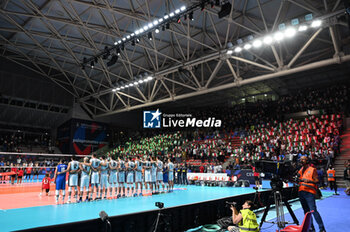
(17, 141)
(263, 128)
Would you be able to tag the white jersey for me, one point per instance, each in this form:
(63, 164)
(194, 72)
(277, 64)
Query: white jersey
(95, 163)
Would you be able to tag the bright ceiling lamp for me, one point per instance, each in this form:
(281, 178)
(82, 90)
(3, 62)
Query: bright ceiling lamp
(257, 43)
(229, 51)
(177, 11)
(278, 36)
(131, 84)
(316, 23)
(155, 22)
(166, 16)
(150, 25)
(290, 32)
(115, 43)
(302, 28)
(238, 49)
(268, 40)
(171, 14)
(140, 81)
(136, 83)
(145, 28)
(113, 90)
(183, 8)
(149, 78)
(247, 46)
(122, 87)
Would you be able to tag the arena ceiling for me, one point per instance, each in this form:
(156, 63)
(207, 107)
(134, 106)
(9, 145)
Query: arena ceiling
(188, 59)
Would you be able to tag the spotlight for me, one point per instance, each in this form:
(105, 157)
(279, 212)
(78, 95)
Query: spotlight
(155, 22)
(183, 8)
(118, 51)
(229, 52)
(141, 30)
(302, 28)
(150, 25)
(128, 36)
(268, 40)
(122, 87)
(137, 40)
(145, 28)
(118, 89)
(257, 43)
(177, 11)
(114, 90)
(131, 84)
(166, 16)
(160, 20)
(247, 46)
(150, 35)
(171, 14)
(290, 32)
(113, 60)
(316, 23)
(140, 81)
(136, 83)
(238, 49)
(115, 43)
(150, 78)
(190, 16)
(225, 10)
(278, 36)
(157, 30)
(124, 39)
(92, 64)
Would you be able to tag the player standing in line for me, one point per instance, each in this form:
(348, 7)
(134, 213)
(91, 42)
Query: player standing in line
(104, 177)
(130, 167)
(138, 176)
(171, 175)
(154, 176)
(113, 165)
(73, 169)
(95, 175)
(166, 177)
(148, 175)
(60, 179)
(160, 174)
(121, 178)
(85, 179)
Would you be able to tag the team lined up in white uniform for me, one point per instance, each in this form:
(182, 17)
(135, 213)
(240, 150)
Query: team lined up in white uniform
(127, 178)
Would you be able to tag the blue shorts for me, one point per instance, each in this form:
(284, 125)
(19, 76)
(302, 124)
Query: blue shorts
(61, 182)
(171, 176)
(159, 176)
(148, 176)
(121, 177)
(130, 177)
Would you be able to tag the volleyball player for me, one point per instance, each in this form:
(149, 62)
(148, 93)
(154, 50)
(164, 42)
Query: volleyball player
(121, 178)
(104, 177)
(73, 169)
(130, 167)
(113, 165)
(85, 178)
(171, 175)
(95, 177)
(148, 175)
(153, 175)
(159, 174)
(60, 179)
(138, 176)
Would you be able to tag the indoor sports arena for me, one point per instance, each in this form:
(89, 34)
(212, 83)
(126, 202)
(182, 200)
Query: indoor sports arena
(175, 115)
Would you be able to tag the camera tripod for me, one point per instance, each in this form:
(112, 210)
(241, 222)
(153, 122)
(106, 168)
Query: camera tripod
(278, 201)
(161, 219)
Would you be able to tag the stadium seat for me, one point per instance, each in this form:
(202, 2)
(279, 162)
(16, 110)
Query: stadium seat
(304, 227)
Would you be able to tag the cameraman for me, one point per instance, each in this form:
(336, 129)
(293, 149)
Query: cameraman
(307, 191)
(245, 219)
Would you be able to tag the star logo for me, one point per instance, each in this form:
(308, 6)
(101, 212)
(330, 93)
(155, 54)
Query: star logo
(152, 119)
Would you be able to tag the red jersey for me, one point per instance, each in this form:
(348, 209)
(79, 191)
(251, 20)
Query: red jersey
(20, 173)
(46, 183)
(29, 170)
(14, 170)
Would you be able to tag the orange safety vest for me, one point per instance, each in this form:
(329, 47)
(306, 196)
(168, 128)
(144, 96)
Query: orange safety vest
(307, 175)
(331, 175)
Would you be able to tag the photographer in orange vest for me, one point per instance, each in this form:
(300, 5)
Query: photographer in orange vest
(308, 179)
(331, 179)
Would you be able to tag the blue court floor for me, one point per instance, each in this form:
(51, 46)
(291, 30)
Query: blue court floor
(25, 218)
(335, 210)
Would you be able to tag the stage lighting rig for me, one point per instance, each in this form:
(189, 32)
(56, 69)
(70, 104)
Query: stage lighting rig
(155, 25)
